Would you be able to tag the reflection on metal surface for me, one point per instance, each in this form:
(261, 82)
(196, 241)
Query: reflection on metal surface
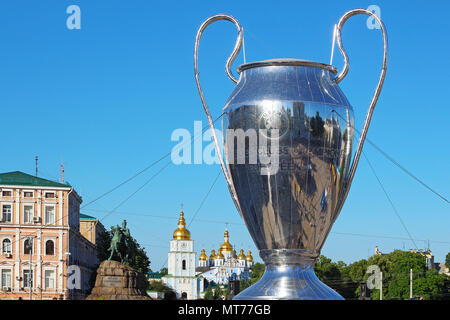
(293, 208)
(289, 282)
(290, 212)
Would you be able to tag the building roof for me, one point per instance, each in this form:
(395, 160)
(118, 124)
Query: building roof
(154, 275)
(22, 179)
(226, 245)
(202, 269)
(181, 233)
(86, 217)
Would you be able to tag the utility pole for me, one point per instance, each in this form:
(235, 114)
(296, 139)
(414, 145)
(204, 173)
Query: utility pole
(381, 285)
(61, 173)
(36, 159)
(410, 283)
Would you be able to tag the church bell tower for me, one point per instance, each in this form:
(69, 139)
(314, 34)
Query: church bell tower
(181, 263)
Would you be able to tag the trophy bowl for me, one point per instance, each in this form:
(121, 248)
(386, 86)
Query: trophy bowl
(288, 135)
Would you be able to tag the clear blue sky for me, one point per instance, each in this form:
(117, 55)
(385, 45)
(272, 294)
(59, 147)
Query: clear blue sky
(105, 100)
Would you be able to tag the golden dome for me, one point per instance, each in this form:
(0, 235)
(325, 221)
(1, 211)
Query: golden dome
(241, 255)
(181, 233)
(203, 256)
(220, 256)
(213, 255)
(249, 256)
(226, 245)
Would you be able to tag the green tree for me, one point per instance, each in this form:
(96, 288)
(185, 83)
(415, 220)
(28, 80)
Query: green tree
(209, 294)
(243, 284)
(336, 275)
(164, 271)
(346, 279)
(431, 287)
(257, 272)
(102, 244)
(218, 293)
(399, 272)
(140, 261)
(326, 270)
(447, 260)
(227, 293)
(158, 286)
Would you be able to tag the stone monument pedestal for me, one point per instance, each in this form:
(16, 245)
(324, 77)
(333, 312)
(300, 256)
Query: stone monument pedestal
(116, 281)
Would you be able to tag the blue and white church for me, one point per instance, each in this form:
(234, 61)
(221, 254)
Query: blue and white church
(187, 280)
(226, 264)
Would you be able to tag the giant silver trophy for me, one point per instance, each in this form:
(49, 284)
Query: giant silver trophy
(297, 106)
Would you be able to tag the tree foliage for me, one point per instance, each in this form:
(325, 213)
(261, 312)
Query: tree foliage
(257, 272)
(164, 271)
(140, 261)
(209, 294)
(447, 260)
(158, 286)
(102, 243)
(243, 284)
(218, 293)
(431, 287)
(346, 279)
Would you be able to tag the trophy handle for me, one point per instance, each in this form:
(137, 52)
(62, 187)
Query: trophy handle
(342, 75)
(230, 60)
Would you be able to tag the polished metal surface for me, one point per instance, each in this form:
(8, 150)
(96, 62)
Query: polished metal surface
(289, 282)
(293, 208)
(289, 212)
(286, 62)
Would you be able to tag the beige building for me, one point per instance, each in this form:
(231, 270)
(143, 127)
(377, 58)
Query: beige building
(40, 240)
(90, 227)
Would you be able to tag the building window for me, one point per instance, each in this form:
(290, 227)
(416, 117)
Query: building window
(27, 214)
(49, 277)
(28, 278)
(49, 195)
(49, 215)
(27, 246)
(28, 194)
(6, 278)
(6, 213)
(6, 193)
(50, 248)
(183, 264)
(6, 246)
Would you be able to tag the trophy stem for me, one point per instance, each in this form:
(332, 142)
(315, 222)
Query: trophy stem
(289, 281)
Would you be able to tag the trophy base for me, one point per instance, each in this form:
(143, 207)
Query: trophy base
(289, 282)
